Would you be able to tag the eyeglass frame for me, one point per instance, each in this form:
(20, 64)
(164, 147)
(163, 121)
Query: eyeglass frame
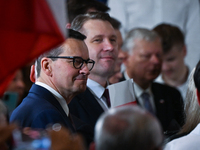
(74, 57)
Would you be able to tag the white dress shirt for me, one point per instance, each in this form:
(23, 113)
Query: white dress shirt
(97, 90)
(138, 93)
(149, 13)
(59, 97)
(188, 142)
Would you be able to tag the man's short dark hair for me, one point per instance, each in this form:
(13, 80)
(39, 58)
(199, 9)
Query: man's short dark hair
(76, 35)
(171, 36)
(197, 76)
(78, 22)
(115, 23)
(77, 7)
(58, 50)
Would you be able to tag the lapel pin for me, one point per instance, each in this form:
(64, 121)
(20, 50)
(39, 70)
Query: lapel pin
(162, 101)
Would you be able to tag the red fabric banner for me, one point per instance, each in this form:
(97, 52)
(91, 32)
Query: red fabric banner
(27, 29)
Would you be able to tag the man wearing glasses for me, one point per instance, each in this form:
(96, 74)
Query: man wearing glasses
(60, 75)
(102, 46)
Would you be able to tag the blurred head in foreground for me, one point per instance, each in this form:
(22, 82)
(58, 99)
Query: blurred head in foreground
(128, 127)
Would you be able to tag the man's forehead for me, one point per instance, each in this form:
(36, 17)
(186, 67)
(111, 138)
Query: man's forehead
(69, 42)
(94, 27)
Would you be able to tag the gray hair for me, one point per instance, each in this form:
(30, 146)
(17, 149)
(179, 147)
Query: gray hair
(127, 127)
(140, 34)
(54, 52)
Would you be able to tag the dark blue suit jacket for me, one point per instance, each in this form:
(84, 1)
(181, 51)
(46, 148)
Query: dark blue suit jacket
(40, 108)
(86, 107)
(169, 107)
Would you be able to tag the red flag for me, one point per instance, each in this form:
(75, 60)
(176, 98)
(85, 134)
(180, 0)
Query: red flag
(27, 29)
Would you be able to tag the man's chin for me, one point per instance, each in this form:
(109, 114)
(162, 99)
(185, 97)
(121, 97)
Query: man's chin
(153, 77)
(168, 74)
(82, 88)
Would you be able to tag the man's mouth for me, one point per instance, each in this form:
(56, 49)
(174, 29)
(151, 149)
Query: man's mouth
(108, 58)
(81, 77)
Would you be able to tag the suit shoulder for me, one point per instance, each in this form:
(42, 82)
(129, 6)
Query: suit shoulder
(84, 95)
(164, 87)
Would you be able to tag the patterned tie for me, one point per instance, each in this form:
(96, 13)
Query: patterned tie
(106, 95)
(147, 104)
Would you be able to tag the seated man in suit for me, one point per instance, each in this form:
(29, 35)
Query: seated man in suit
(128, 128)
(102, 46)
(60, 75)
(143, 65)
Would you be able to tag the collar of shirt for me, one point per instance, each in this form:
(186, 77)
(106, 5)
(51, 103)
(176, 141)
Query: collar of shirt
(59, 97)
(182, 88)
(126, 76)
(159, 79)
(138, 92)
(97, 91)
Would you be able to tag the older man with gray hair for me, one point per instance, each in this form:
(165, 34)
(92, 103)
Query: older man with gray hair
(143, 65)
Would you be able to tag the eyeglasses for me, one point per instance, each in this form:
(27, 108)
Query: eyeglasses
(77, 61)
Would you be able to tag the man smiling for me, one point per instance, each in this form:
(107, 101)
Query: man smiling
(102, 46)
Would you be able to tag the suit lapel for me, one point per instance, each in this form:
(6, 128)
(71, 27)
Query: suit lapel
(42, 92)
(159, 101)
(90, 104)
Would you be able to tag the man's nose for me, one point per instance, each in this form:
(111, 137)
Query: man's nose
(108, 45)
(85, 69)
(155, 59)
(165, 66)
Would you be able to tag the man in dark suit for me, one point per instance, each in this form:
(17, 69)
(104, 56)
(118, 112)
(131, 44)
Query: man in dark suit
(143, 65)
(102, 46)
(60, 75)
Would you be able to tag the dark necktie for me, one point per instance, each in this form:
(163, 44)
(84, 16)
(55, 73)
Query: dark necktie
(106, 95)
(147, 104)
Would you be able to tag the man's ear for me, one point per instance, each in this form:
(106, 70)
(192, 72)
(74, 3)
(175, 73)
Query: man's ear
(198, 96)
(125, 61)
(32, 74)
(184, 50)
(46, 66)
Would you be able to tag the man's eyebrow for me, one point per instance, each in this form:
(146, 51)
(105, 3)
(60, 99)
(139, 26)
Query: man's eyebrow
(114, 36)
(100, 35)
